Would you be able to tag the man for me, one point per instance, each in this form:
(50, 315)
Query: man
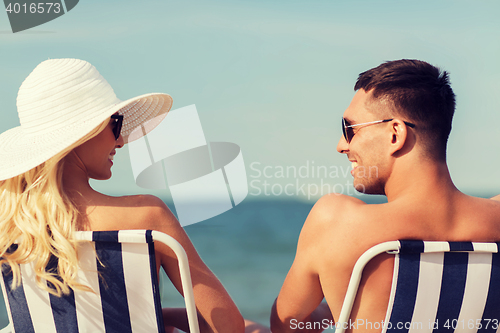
(395, 134)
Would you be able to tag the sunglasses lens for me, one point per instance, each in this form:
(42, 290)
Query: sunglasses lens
(117, 126)
(347, 131)
(350, 134)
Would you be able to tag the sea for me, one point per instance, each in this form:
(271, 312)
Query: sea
(250, 248)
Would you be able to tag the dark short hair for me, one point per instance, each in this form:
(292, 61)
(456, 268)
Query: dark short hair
(419, 92)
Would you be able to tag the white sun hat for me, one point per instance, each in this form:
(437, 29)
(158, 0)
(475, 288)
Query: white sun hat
(60, 102)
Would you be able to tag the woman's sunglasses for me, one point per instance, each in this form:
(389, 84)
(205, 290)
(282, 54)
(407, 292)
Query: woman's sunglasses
(349, 132)
(118, 125)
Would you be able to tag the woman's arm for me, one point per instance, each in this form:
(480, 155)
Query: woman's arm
(213, 303)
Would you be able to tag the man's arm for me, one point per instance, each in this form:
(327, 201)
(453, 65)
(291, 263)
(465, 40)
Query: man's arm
(299, 301)
(320, 319)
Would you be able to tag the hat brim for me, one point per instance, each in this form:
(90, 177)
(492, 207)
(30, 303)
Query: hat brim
(21, 152)
(150, 108)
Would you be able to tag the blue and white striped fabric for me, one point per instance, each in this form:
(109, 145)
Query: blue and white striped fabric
(123, 276)
(445, 287)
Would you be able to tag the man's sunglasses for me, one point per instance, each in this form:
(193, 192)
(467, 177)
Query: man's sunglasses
(118, 125)
(349, 132)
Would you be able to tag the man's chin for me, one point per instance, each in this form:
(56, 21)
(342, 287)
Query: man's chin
(373, 190)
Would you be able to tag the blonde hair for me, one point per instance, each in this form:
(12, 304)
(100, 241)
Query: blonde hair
(38, 216)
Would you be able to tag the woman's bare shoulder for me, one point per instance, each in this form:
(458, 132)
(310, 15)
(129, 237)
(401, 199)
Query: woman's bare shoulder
(139, 201)
(139, 212)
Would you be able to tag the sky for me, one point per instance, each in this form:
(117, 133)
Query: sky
(274, 77)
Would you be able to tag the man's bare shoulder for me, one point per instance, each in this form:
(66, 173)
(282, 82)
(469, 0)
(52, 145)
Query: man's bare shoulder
(328, 212)
(338, 225)
(333, 206)
(338, 213)
(492, 203)
(485, 215)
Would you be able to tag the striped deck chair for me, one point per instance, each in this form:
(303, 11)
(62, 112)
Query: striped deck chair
(436, 287)
(124, 277)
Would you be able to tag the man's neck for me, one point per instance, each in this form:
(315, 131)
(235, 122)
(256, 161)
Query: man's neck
(420, 180)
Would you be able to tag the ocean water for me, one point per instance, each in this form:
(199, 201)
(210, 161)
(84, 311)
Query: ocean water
(250, 248)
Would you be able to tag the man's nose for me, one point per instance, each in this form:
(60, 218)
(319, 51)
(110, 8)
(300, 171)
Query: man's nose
(342, 146)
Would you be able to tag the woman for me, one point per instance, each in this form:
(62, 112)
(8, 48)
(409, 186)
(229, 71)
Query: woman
(71, 126)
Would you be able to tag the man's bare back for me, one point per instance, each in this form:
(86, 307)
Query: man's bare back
(396, 142)
(340, 228)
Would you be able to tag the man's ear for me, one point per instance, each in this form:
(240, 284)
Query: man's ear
(399, 137)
